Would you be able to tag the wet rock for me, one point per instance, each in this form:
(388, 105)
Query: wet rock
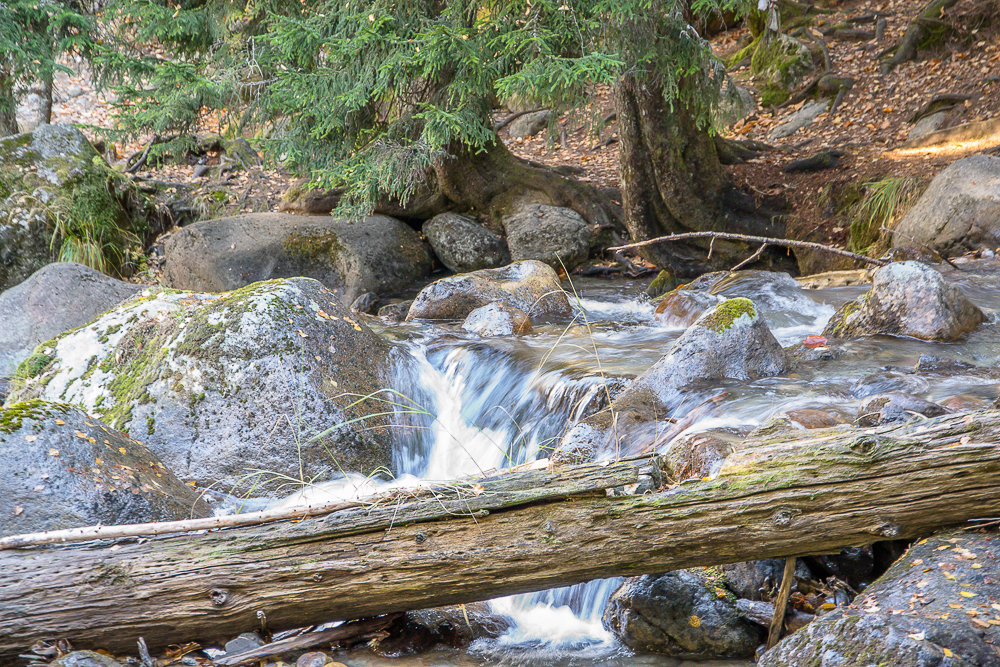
(464, 245)
(244, 642)
(663, 282)
(699, 454)
(729, 342)
(810, 418)
(394, 313)
(964, 403)
(529, 285)
(529, 124)
(959, 211)
(928, 363)
(54, 299)
(683, 307)
(558, 236)
(63, 469)
(373, 254)
(55, 169)
(895, 408)
(497, 319)
(907, 299)
(801, 118)
(455, 626)
(85, 659)
(854, 565)
(888, 381)
(680, 614)
(367, 303)
(223, 386)
(313, 659)
(932, 607)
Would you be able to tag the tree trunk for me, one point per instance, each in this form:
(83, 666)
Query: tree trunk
(45, 100)
(8, 107)
(798, 493)
(672, 181)
(493, 182)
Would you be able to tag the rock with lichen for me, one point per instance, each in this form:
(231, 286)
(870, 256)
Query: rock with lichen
(250, 388)
(530, 286)
(373, 254)
(63, 469)
(683, 613)
(59, 198)
(907, 299)
(556, 235)
(932, 607)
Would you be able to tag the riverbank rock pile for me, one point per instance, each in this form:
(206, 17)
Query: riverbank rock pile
(243, 389)
(907, 299)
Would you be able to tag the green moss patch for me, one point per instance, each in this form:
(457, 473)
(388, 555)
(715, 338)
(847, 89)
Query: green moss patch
(12, 417)
(726, 313)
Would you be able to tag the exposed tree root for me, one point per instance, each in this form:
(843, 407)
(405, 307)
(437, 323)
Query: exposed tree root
(917, 33)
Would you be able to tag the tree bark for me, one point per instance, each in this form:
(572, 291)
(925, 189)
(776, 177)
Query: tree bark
(672, 182)
(8, 107)
(798, 493)
(492, 183)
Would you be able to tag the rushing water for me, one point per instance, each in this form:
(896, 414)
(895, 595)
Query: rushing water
(467, 405)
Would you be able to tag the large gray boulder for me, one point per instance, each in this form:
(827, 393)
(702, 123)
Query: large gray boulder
(934, 606)
(373, 254)
(250, 387)
(529, 286)
(682, 614)
(558, 236)
(56, 298)
(959, 211)
(55, 173)
(907, 299)
(530, 124)
(63, 469)
(464, 245)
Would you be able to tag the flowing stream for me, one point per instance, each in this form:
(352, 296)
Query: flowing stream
(467, 405)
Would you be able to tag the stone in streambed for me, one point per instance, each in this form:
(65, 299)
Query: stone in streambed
(681, 614)
(85, 659)
(63, 469)
(895, 408)
(907, 299)
(530, 286)
(497, 319)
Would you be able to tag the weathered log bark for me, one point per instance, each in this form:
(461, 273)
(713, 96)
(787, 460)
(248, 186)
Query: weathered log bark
(792, 494)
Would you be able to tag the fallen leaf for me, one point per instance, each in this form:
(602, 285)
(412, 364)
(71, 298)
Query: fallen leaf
(918, 636)
(813, 341)
(18, 510)
(967, 594)
(53, 452)
(694, 621)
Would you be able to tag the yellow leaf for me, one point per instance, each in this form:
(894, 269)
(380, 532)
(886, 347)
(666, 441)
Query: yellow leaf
(954, 606)
(122, 450)
(948, 653)
(60, 422)
(967, 594)
(694, 621)
(976, 566)
(53, 452)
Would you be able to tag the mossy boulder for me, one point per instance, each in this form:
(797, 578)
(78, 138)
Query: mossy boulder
(373, 254)
(248, 388)
(56, 298)
(63, 469)
(59, 198)
(684, 613)
(907, 299)
(932, 607)
(530, 286)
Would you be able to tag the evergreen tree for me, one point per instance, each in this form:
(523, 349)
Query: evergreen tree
(391, 99)
(34, 34)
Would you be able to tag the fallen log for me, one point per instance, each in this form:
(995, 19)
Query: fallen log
(805, 492)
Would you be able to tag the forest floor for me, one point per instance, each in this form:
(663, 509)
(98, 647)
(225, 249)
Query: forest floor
(870, 125)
